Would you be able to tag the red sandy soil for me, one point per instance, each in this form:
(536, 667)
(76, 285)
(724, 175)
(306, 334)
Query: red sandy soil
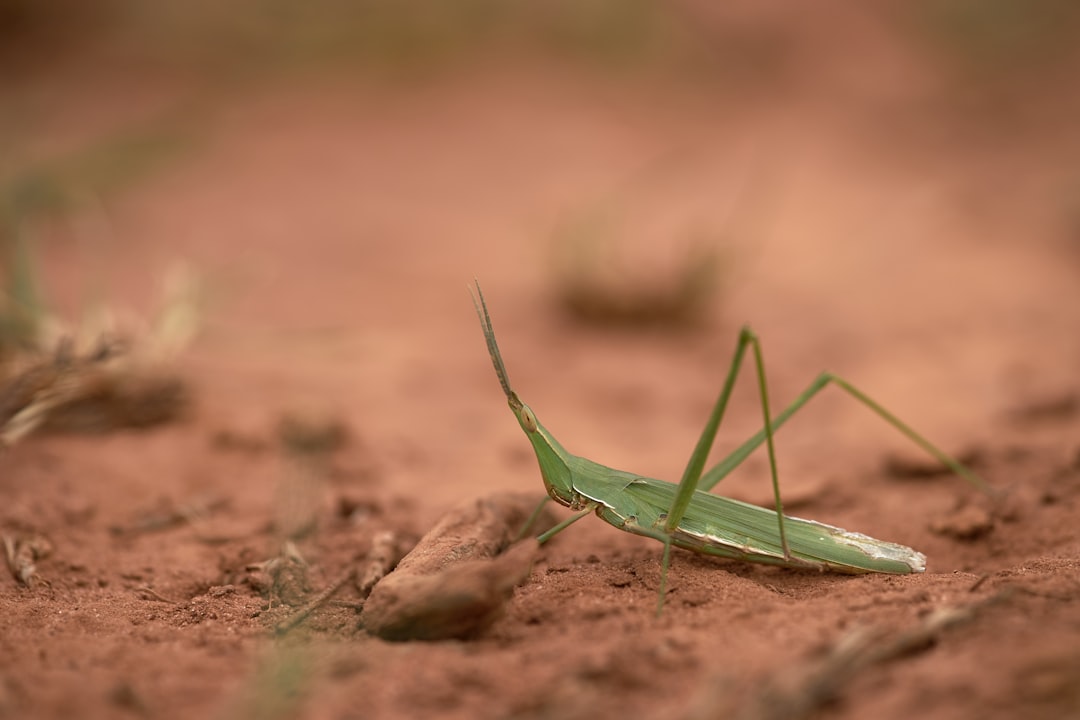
(926, 257)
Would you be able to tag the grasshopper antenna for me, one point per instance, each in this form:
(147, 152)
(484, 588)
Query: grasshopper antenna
(493, 347)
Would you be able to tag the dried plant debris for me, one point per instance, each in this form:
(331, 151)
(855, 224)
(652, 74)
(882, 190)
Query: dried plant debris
(1057, 408)
(803, 690)
(917, 466)
(150, 593)
(114, 384)
(315, 603)
(675, 301)
(282, 578)
(312, 433)
(597, 285)
(22, 554)
(386, 550)
(455, 582)
(168, 515)
(308, 442)
(95, 393)
(357, 511)
(967, 521)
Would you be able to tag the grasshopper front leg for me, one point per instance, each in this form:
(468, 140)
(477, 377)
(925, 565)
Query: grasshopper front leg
(692, 475)
(688, 485)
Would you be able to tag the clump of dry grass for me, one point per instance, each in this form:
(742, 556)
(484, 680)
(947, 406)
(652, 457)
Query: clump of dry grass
(111, 382)
(604, 281)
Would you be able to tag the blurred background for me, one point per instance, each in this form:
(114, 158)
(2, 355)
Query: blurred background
(889, 190)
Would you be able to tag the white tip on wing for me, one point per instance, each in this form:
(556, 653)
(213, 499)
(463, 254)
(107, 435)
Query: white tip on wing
(881, 550)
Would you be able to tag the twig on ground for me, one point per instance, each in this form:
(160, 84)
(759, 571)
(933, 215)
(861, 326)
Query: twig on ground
(386, 552)
(155, 595)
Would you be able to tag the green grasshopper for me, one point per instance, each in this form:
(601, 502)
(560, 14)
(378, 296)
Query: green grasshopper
(686, 515)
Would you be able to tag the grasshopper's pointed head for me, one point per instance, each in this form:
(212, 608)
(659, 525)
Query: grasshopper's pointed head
(524, 414)
(549, 453)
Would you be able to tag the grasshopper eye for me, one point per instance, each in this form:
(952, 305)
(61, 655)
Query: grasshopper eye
(528, 420)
